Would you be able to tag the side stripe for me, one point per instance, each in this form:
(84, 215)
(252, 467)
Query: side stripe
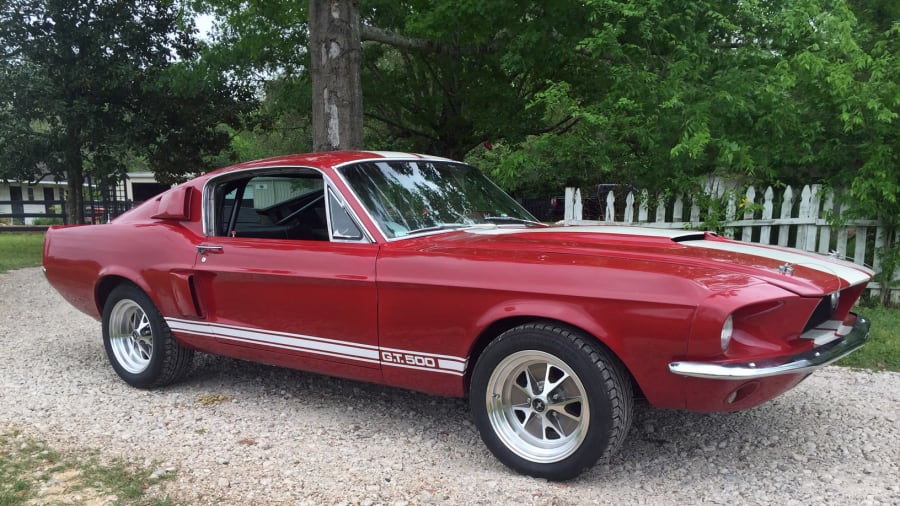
(392, 357)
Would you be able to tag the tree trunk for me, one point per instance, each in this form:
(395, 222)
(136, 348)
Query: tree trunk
(74, 177)
(334, 49)
(75, 196)
(890, 257)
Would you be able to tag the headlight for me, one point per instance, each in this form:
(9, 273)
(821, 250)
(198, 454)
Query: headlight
(727, 330)
(835, 299)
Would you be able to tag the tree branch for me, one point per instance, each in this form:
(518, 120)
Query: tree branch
(399, 126)
(375, 34)
(561, 127)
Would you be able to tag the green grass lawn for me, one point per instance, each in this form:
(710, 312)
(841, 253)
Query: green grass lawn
(19, 250)
(33, 473)
(882, 353)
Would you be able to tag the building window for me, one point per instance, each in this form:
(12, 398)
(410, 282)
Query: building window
(30, 193)
(49, 201)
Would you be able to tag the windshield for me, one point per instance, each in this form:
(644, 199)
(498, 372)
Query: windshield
(421, 196)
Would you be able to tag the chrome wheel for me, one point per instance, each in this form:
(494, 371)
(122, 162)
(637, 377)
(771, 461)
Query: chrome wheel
(537, 406)
(139, 344)
(130, 336)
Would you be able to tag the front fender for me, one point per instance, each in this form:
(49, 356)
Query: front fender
(644, 336)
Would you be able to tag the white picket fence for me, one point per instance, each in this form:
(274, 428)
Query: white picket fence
(796, 220)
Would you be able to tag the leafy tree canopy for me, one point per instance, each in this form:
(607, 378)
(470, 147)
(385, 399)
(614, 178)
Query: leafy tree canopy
(89, 84)
(438, 77)
(766, 91)
(653, 92)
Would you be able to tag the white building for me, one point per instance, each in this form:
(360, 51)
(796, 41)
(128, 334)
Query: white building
(23, 202)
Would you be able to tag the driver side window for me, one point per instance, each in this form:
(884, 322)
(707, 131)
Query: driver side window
(274, 206)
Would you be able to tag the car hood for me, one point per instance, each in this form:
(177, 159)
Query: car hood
(804, 273)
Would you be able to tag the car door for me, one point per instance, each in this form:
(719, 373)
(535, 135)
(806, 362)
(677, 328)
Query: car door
(285, 275)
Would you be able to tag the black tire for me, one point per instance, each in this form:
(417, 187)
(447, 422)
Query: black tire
(556, 431)
(138, 342)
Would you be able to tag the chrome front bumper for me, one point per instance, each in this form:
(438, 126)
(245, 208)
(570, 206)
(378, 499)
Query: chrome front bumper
(803, 362)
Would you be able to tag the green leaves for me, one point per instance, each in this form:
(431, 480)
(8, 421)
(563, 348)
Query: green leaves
(770, 90)
(652, 93)
(90, 85)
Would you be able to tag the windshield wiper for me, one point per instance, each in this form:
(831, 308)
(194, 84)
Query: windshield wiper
(512, 219)
(453, 226)
(439, 226)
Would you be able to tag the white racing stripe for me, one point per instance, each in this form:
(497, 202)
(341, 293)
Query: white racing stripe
(851, 273)
(407, 359)
(402, 155)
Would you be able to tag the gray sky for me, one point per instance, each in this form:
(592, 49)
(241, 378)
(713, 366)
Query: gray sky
(204, 25)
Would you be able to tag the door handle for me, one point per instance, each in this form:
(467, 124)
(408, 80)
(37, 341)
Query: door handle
(208, 248)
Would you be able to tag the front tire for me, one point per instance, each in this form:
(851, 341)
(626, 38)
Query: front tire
(549, 401)
(138, 342)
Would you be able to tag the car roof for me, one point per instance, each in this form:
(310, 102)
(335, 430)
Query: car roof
(326, 160)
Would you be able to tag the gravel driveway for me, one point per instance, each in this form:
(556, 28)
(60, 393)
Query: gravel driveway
(240, 433)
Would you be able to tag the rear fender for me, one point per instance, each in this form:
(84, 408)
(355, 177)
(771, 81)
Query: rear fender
(111, 277)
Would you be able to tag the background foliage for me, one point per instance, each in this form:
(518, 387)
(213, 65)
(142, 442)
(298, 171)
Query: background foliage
(652, 93)
(88, 85)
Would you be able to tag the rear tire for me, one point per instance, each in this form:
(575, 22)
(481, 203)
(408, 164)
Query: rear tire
(549, 401)
(138, 342)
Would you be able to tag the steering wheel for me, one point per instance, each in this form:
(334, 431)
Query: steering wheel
(296, 213)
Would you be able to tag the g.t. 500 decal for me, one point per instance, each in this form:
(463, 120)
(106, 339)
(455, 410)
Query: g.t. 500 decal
(320, 346)
(406, 358)
(423, 361)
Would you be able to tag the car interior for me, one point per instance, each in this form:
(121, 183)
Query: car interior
(282, 206)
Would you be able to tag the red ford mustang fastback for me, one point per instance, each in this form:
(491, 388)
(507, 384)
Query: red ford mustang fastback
(418, 272)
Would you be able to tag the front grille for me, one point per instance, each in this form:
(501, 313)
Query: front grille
(822, 314)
